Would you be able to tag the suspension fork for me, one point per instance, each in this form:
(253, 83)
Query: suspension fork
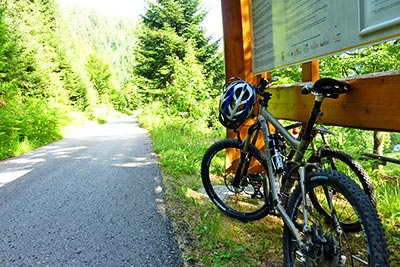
(302, 173)
(306, 227)
(286, 218)
(336, 223)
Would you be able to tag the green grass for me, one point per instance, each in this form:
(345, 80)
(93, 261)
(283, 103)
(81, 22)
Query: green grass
(208, 237)
(387, 185)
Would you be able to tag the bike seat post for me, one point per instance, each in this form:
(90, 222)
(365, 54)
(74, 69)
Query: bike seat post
(315, 112)
(306, 135)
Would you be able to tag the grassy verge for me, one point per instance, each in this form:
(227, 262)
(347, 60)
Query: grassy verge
(207, 237)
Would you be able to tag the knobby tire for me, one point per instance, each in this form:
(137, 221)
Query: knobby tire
(368, 246)
(249, 203)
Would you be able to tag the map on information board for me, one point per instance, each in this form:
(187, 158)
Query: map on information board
(288, 32)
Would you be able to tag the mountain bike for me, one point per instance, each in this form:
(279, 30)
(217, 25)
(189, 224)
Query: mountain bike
(323, 215)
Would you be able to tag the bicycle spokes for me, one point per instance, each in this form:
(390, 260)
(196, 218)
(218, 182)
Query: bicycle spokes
(327, 244)
(238, 187)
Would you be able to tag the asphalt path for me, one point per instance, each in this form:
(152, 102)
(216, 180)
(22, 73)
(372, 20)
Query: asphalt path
(92, 199)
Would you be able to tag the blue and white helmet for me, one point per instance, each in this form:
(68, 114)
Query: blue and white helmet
(237, 103)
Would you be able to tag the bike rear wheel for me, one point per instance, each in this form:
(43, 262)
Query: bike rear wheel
(326, 242)
(330, 158)
(248, 199)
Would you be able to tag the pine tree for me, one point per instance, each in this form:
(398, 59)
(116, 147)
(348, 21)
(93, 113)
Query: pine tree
(170, 36)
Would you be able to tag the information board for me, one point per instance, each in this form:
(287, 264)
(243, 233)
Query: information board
(288, 32)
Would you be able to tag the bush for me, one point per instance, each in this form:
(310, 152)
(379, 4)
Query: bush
(27, 123)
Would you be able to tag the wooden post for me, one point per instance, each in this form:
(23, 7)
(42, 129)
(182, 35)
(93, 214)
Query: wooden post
(233, 39)
(310, 71)
(237, 39)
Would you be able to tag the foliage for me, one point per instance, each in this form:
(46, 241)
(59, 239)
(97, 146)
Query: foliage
(8, 50)
(29, 85)
(288, 75)
(26, 123)
(99, 74)
(371, 59)
(102, 57)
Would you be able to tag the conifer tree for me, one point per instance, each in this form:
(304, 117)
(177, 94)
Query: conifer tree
(169, 36)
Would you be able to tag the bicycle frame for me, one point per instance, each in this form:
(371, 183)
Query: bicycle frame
(264, 117)
(299, 146)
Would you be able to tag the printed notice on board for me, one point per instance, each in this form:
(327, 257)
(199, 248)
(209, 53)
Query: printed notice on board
(378, 14)
(295, 31)
(262, 41)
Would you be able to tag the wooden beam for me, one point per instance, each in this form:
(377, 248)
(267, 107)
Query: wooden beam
(373, 103)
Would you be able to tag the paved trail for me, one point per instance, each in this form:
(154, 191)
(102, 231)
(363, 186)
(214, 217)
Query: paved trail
(94, 199)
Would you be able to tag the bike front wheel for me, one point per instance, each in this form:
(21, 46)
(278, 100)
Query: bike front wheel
(246, 198)
(326, 243)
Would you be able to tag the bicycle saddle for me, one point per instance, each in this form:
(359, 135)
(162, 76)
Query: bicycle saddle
(328, 87)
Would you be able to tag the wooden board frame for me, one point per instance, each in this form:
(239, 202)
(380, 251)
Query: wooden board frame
(373, 102)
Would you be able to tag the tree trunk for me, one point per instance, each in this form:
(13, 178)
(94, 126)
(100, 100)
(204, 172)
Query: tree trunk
(378, 147)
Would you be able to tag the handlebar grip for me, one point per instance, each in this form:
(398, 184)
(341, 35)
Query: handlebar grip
(307, 89)
(272, 79)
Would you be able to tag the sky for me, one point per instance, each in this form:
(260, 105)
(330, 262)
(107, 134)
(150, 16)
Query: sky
(134, 8)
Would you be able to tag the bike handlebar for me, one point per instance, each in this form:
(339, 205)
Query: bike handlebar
(263, 84)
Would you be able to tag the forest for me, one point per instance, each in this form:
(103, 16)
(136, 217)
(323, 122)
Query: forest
(59, 66)
(64, 66)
